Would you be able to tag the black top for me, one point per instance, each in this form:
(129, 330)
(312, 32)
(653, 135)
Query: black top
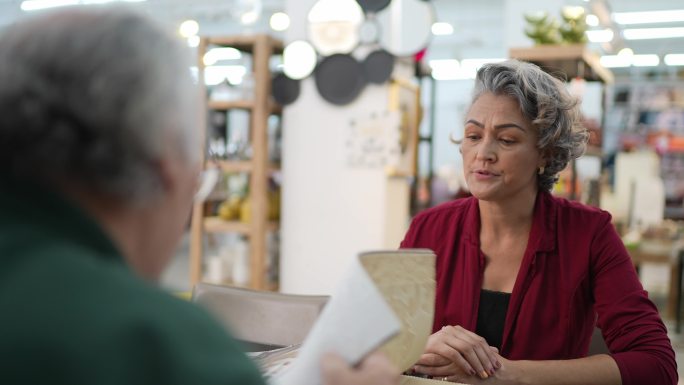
(491, 316)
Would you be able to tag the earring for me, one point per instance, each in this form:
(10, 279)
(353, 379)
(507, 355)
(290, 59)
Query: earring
(541, 170)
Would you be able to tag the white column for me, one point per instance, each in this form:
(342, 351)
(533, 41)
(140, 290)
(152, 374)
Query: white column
(330, 211)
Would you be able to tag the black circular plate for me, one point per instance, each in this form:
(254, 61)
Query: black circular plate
(284, 90)
(339, 79)
(373, 5)
(378, 66)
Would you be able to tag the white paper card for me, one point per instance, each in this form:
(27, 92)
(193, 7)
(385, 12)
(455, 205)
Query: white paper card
(356, 321)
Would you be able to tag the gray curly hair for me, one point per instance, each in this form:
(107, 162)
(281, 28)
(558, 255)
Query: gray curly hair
(546, 102)
(91, 97)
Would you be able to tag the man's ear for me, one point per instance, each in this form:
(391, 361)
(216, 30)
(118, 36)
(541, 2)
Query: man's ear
(166, 170)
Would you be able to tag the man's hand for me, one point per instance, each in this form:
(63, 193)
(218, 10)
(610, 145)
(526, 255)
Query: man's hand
(376, 369)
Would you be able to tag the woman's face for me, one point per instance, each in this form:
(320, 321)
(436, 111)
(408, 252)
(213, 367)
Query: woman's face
(500, 156)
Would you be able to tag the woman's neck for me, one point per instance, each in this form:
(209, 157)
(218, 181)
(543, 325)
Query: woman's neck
(513, 216)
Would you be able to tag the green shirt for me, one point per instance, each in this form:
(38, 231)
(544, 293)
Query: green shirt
(72, 312)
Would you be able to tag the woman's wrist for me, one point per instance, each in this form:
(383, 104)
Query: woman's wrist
(511, 372)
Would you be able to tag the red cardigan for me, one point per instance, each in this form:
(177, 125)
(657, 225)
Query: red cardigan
(575, 271)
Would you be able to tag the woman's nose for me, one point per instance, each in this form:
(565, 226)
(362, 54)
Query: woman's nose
(486, 151)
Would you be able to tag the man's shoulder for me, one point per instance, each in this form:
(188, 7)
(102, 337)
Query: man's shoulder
(95, 313)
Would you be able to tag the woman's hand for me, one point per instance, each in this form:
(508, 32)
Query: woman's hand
(508, 373)
(376, 369)
(457, 352)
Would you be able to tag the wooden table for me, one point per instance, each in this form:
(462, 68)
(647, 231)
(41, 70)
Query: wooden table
(408, 380)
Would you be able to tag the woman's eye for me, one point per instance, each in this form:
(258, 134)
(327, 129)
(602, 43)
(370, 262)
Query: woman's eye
(472, 137)
(507, 141)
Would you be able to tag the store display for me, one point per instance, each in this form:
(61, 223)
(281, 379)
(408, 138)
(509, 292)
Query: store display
(378, 66)
(406, 26)
(340, 79)
(650, 115)
(334, 25)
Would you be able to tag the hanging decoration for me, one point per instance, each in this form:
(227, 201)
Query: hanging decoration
(341, 30)
(378, 66)
(339, 79)
(373, 5)
(284, 89)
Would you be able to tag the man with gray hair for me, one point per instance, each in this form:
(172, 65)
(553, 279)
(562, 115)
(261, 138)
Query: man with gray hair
(99, 168)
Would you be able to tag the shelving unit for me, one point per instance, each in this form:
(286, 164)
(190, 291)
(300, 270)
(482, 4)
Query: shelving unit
(641, 111)
(262, 47)
(572, 61)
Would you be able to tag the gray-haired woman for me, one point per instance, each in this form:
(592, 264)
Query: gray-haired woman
(522, 276)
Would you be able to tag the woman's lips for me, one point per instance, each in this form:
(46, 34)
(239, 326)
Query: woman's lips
(484, 174)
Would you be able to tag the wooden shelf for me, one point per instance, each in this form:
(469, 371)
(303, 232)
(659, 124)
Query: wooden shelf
(243, 166)
(245, 43)
(248, 105)
(230, 105)
(260, 108)
(218, 225)
(572, 60)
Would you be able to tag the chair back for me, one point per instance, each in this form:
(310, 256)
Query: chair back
(262, 320)
(597, 345)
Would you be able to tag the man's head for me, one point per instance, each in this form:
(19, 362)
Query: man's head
(99, 103)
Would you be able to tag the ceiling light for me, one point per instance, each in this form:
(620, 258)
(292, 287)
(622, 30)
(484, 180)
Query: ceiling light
(193, 41)
(249, 17)
(674, 59)
(645, 60)
(652, 33)
(649, 17)
(188, 28)
(442, 28)
(452, 69)
(626, 52)
(35, 5)
(279, 21)
(600, 36)
(592, 20)
(470, 66)
(224, 53)
(445, 69)
(299, 59)
(615, 61)
(618, 61)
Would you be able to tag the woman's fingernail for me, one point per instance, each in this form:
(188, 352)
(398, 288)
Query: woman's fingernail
(491, 372)
(472, 372)
(484, 374)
